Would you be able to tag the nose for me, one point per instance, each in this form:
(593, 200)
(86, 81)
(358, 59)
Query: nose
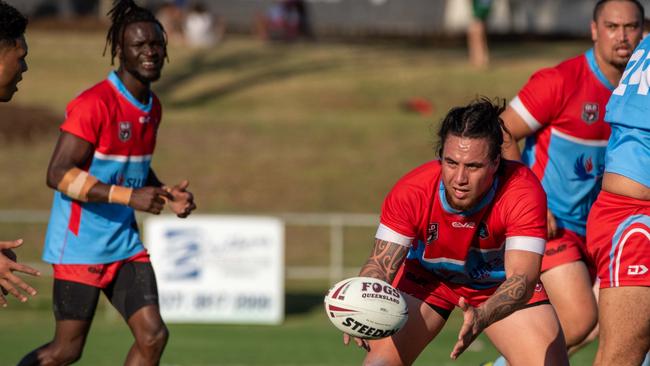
(461, 176)
(622, 34)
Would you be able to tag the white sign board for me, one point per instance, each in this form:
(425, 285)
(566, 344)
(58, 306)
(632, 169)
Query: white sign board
(218, 269)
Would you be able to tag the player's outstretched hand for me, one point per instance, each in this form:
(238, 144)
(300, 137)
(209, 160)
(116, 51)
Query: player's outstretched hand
(9, 282)
(149, 199)
(182, 203)
(469, 331)
(362, 343)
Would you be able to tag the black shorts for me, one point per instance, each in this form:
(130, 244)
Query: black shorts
(133, 288)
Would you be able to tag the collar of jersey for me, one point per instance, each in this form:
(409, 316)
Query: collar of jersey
(593, 65)
(486, 199)
(121, 88)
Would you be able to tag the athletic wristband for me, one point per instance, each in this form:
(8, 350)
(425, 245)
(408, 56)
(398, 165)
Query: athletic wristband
(76, 184)
(120, 195)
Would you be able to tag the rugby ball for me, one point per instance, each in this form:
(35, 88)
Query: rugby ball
(366, 307)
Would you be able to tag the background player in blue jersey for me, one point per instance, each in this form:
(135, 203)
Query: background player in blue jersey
(13, 50)
(560, 111)
(618, 227)
(101, 172)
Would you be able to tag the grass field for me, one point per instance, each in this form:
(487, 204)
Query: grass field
(262, 128)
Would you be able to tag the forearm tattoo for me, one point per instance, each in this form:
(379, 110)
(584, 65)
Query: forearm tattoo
(508, 298)
(384, 261)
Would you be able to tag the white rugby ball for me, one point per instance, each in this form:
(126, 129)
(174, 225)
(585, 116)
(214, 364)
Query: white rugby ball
(366, 307)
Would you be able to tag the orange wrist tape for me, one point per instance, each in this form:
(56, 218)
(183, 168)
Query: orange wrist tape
(76, 184)
(120, 195)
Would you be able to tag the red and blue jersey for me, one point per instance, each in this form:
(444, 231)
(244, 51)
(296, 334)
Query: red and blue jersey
(465, 247)
(565, 107)
(123, 133)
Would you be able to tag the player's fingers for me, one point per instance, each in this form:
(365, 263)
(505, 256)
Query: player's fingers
(159, 191)
(22, 284)
(4, 292)
(12, 290)
(25, 269)
(11, 244)
(346, 339)
(183, 185)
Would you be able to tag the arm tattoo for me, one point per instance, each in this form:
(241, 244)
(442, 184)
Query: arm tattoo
(384, 261)
(508, 298)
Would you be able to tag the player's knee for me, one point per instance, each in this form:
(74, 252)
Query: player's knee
(579, 329)
(155, 339)
(65, 355)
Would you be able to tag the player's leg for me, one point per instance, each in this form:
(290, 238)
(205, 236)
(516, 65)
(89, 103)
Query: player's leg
(593, 335)
(423, 324)
(530, 337)
(570, 291)
(568, 284)
(74, 307)
(135, 296)
(624, 325)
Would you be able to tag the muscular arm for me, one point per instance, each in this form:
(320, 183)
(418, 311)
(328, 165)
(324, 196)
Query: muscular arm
(384, 261)
(518, 129)
(522, 275)
(74, 152)
(70, 152)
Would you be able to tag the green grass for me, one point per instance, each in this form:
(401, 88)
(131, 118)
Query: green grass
(263, 128)
(305, 338)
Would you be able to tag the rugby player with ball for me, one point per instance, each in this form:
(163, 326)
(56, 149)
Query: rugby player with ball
(467, 230)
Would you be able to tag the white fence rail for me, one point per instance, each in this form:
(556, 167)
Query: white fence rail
(335, 222)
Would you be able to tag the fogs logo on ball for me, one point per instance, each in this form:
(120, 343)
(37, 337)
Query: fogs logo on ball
(366, 307)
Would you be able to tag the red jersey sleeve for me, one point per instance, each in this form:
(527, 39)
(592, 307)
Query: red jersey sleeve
(540, 98)
(400, 214)
(83, 118)
(524, 212)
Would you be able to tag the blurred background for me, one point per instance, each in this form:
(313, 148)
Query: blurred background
(306, 112)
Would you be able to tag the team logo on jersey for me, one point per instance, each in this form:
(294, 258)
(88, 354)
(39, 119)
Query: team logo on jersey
(125, 131)
(432, 232)
(590, 113)
(584, 169)
(483, 231)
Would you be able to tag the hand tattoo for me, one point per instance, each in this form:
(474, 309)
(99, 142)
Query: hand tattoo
(384, 261)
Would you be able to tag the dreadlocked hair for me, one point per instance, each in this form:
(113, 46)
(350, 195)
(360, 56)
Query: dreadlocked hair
(123, 13)
(12, 24)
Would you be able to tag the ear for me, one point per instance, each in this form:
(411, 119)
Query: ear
(118, 51)
(594, 31)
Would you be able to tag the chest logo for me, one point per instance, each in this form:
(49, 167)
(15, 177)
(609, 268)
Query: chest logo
(125, 131)
(590, 113)
(584, 169)
(483, 231)
(432, 232)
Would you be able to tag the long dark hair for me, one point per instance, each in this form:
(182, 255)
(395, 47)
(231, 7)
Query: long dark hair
(479, 119)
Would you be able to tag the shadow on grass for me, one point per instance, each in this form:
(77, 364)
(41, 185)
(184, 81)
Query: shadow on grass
(266, 66)
(302, 302)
